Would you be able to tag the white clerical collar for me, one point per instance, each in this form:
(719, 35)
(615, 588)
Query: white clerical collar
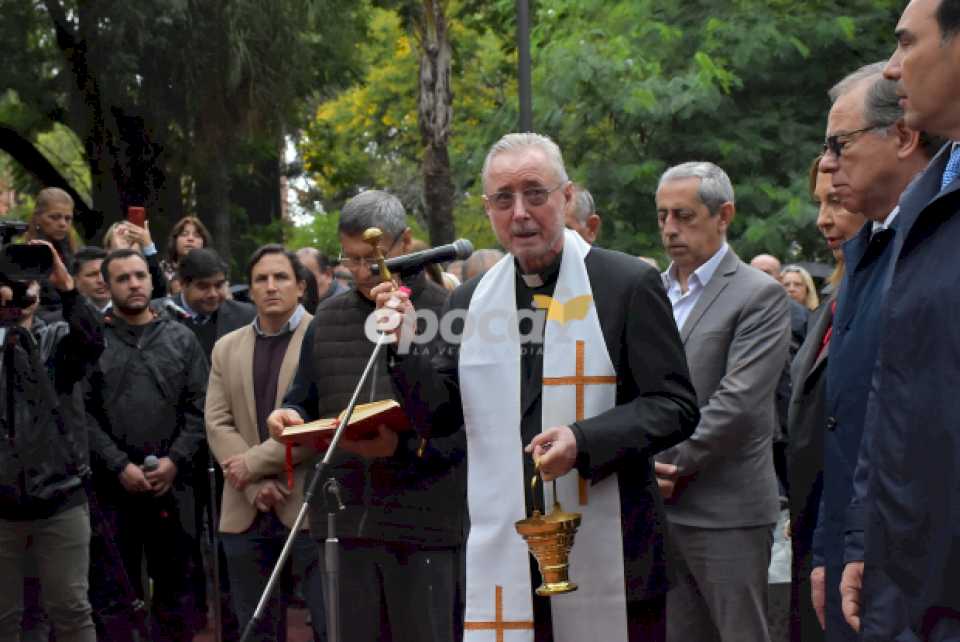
(703, 273)
(537, 279)
(532, 280)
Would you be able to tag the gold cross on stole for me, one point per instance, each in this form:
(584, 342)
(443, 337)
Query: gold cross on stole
(581, 381)
(499, 624)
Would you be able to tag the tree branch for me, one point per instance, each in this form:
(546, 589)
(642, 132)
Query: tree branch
(25, 152)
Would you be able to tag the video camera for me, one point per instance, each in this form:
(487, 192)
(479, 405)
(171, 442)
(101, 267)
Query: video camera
(19, 265)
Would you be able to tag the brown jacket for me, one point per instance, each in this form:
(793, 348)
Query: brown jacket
(231, 419)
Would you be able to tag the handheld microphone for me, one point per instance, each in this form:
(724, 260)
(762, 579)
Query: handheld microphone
(150, 463)
(177, 311)
(410, 263)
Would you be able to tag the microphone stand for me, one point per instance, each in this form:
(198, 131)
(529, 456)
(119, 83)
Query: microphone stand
(331, 545)
(333, 632)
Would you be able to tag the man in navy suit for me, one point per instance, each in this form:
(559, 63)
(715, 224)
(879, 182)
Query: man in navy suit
(871, 156)
(908, 585)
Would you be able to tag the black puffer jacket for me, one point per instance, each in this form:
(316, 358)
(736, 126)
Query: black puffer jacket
(147, 396)
(403, 498)
(44, 450)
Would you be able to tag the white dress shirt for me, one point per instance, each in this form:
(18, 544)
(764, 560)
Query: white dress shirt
(683, 302)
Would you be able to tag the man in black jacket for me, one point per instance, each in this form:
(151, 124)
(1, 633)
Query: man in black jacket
(148, 397)
(42, 454)
(209, 315)
(403, 525)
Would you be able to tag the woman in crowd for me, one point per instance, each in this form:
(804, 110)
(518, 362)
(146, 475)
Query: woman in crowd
(125, 235)
(799, 286)
(806, 420)
(189, 233)
(52, 220)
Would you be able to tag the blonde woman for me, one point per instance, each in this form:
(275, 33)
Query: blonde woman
(52, 221)
(799, 286)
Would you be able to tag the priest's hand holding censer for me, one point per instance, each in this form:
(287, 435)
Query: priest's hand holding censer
(550, 537)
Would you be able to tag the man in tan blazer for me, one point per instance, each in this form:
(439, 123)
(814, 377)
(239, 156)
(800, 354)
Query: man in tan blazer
(250, 372)
(720, 486)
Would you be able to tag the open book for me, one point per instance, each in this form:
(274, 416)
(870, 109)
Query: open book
(363, 424)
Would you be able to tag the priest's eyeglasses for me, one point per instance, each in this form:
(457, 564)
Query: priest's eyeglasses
(835, 144)
(532, 197)
(352, 262)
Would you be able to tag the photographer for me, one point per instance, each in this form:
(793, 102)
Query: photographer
(42, 451)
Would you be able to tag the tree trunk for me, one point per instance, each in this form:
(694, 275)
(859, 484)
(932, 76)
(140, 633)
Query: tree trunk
(213, 200)
(435, 113)
(438, 193)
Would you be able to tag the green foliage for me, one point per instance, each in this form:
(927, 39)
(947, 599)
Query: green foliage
(627, 88)
(180, 94)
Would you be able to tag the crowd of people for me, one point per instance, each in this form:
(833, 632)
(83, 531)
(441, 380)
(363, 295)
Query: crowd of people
(678, 412)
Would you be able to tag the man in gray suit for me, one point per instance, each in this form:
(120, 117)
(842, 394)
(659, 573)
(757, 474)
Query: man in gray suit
(720, 485)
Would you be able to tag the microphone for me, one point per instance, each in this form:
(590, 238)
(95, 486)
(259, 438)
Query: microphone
(150, 463)
(177, 311)
(410, 263)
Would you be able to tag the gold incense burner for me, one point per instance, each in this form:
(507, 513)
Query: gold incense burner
(550, 540)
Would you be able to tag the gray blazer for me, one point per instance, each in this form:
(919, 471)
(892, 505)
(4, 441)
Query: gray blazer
(736, 340)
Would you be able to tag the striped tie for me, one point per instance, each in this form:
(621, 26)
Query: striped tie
(952, 169)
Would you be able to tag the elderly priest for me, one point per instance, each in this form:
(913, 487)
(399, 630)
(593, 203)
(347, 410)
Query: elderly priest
(569, 354)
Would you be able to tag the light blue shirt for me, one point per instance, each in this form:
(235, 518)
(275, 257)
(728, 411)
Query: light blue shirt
(683, 302)
(290, 326)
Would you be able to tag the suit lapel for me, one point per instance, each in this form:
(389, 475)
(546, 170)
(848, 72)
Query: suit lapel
(245, 352)
(924, 191)
(721, 278)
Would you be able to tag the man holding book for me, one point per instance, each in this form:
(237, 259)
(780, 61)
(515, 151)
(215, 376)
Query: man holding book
(401, 533)
(569, 354)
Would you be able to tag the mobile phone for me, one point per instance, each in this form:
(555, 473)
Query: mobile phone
(136, 215)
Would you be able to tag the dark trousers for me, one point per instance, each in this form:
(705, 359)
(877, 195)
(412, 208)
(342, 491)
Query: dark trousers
(150, 527)
(252, 556)
(398, 593)
(721, 590)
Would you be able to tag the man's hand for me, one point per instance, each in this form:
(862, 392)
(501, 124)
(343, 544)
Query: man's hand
(850, 585)
(666, 478)
(280, 419)
(271, 495)
(383, 445)
(236, 473)
(133, 480)
(162, 478)
(395, 313)
(556, 450)
(60, 276)
(818, 593)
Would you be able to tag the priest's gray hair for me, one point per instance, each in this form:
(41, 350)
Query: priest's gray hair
(512, 142)
(373, 208)
(583, 205)
(715, 186)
